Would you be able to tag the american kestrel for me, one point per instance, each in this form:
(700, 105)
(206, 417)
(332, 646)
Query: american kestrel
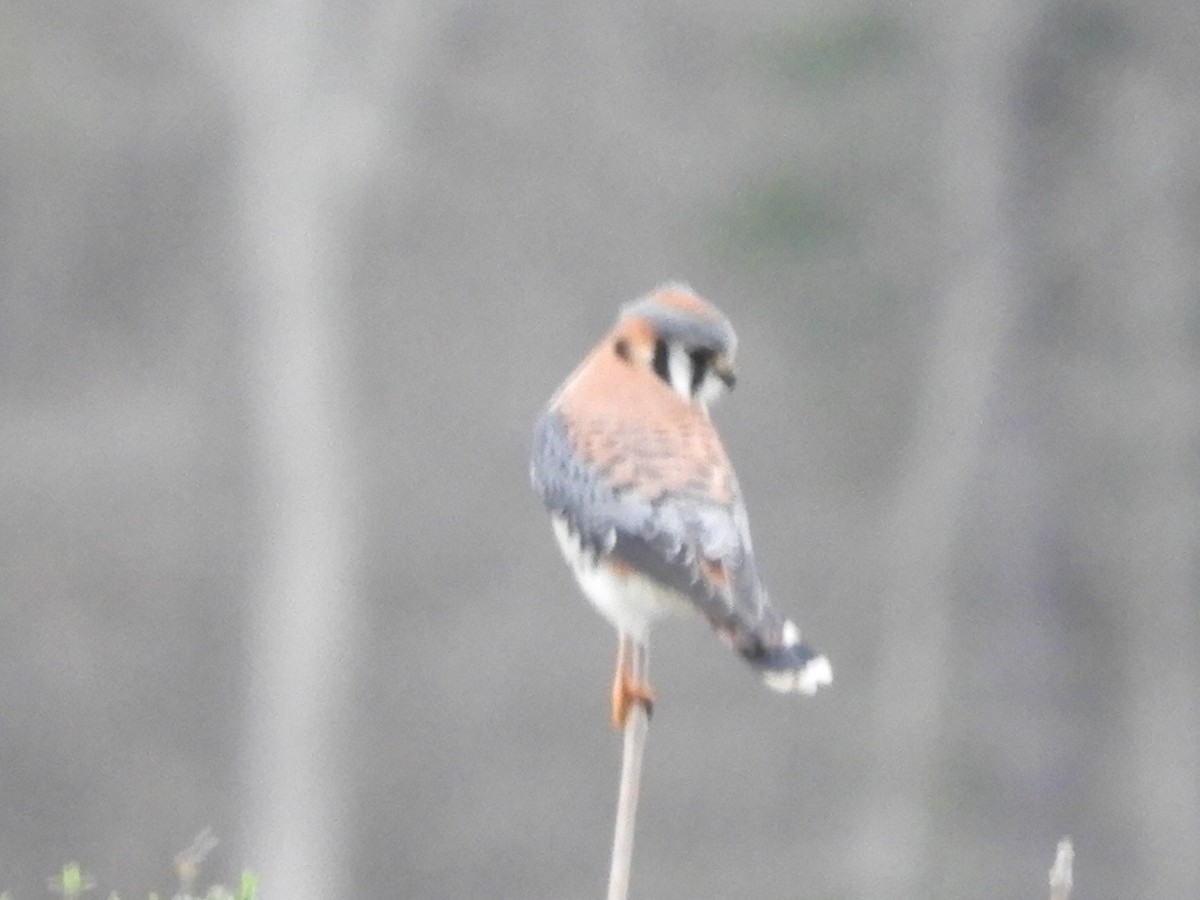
(643, 499)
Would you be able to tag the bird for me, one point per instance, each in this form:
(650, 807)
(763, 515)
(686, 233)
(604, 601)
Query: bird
(644, 501)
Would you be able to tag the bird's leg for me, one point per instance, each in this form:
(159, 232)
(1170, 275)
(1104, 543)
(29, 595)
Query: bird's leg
(628, 684)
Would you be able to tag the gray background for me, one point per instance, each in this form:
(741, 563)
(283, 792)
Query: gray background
(283, 288)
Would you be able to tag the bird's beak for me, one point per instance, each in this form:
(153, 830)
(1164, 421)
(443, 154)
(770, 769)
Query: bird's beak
(723, 369)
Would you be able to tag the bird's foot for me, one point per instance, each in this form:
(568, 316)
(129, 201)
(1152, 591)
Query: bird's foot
(627, 691)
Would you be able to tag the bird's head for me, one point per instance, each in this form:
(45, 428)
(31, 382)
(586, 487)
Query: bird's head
(682, 339)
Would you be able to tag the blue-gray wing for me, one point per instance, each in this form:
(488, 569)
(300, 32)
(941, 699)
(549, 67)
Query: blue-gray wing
(690, 544)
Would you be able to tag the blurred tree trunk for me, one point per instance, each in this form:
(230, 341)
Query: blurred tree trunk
(896, 832)
(310, 117)
(1113, 120)
(1150, 421)
(305, 604)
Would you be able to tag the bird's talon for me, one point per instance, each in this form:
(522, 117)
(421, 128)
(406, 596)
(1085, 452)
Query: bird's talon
(626, 692)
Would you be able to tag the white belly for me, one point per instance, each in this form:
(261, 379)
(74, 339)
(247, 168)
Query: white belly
(632, 603)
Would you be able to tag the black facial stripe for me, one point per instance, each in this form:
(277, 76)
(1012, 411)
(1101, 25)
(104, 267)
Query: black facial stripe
(662, 365)
(701, 360)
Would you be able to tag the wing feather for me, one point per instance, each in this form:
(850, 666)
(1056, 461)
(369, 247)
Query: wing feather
(692, 545)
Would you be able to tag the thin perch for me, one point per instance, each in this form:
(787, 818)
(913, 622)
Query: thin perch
(636, 728)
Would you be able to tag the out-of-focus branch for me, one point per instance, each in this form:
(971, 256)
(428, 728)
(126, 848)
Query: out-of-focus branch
(1061, 871)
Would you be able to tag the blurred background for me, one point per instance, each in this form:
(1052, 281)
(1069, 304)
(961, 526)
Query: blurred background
(283, 288)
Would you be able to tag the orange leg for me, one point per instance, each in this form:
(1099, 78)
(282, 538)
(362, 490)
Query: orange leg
(628, 687)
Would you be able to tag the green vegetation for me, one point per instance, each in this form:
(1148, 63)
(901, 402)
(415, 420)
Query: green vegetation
(832, 51)
(781, 215)
(73, 882)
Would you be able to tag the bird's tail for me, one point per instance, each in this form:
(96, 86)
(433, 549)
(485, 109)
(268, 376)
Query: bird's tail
(773, 646)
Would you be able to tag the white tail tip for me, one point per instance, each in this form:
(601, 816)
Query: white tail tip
(808, 679)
